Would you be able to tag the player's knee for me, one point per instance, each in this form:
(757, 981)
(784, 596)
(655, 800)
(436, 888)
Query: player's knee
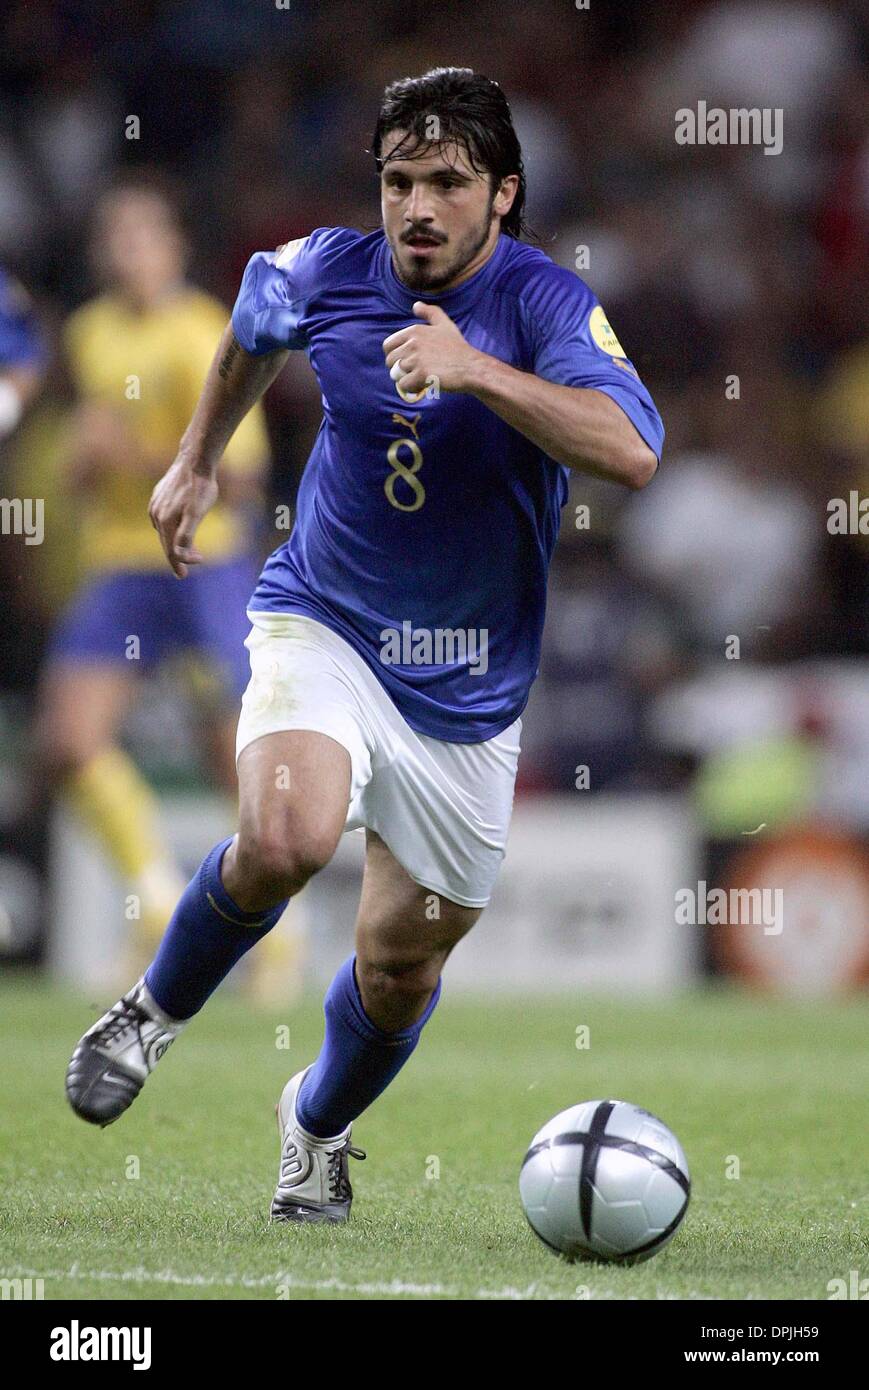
(399, 982)
(282, 858)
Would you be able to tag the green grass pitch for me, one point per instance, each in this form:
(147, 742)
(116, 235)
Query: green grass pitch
(782, 1087)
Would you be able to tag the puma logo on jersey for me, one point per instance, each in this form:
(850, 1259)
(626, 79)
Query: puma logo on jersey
(411, 424)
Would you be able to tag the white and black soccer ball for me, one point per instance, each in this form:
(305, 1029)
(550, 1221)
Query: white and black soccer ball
(605, 1180)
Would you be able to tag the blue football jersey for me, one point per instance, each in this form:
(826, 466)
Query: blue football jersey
(425, 527)
(21, 343)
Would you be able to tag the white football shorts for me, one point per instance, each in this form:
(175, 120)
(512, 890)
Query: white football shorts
(443, 809)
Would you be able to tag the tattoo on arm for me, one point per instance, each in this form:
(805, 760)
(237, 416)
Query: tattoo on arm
(228, 358)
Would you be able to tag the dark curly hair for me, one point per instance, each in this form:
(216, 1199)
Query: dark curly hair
(471, 109)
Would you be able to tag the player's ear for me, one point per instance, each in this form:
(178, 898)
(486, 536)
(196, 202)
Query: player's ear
(506, 193)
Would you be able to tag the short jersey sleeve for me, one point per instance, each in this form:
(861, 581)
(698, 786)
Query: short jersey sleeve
(277, 288)
(268, 308)
(574, 345)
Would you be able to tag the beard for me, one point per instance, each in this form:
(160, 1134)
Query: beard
(425, 277)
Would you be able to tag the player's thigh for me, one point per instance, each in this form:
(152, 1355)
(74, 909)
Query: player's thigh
(403, 928)
(294, 791)
(80, 710)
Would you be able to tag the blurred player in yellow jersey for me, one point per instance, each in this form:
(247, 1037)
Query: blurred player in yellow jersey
(138, 354)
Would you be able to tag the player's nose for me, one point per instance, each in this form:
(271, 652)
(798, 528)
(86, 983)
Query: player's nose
(417, 213)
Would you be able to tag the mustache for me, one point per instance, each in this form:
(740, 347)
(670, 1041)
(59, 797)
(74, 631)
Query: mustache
(422, 232)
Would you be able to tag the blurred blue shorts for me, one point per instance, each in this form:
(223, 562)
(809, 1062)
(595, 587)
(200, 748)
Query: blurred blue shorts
(204, 614)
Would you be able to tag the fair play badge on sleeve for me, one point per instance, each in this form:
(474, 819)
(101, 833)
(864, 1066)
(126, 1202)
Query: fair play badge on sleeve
(603, 335)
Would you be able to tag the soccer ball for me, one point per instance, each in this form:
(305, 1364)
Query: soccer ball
(605, 1180)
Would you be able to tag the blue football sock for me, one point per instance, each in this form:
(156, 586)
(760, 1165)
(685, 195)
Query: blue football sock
(357, 1060)
(205, 937)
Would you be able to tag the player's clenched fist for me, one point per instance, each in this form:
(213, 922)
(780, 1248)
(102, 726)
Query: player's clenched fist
(431, 350)
(178, 504)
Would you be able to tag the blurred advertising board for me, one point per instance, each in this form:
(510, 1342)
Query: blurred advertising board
(585, 899)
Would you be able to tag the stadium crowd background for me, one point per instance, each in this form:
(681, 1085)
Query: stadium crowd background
(712, 262)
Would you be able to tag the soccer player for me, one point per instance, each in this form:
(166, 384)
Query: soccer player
(22, 353)
(139, 354)
(396, 635)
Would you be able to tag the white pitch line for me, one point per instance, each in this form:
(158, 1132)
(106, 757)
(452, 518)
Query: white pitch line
(279, 1279)
(247, 1281)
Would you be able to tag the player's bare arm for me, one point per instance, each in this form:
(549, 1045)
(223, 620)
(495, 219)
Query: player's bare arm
(579, 427)
(235, 382)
